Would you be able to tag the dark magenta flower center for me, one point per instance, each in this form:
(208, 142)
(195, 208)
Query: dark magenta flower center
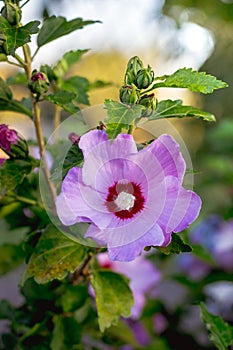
(125, 199)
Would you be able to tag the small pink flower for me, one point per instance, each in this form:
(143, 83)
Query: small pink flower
(7, 137)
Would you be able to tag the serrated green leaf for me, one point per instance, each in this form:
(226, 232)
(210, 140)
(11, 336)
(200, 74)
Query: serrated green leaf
(66, 333)
(220, 332)
(63, 99)
(68, 59)
(175, 109)
(55, 27)
(12, 173)
(192, 80)
(176, 246)
(17, 36)
(78, 85)
(113, 297)
(120, 116)
(11, 256)
(54, 256)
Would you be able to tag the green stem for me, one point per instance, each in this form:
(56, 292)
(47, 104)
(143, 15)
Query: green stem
(39, 132)
(24, 3)
(35, 53)
(14, 64)
(131, 129)
(20, 60)
(27, 200)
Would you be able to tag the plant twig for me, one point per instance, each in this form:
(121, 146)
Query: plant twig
(83, 269)
(39, 132)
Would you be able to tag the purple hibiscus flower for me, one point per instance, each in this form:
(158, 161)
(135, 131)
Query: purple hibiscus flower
(132, 199)
(142, 274)
(7, 137)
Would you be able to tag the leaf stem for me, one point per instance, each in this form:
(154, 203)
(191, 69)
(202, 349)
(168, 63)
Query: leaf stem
(39, 132)
(82, 271)
(131, 129)
(35, 53)
(14, 64)
(24, 3)
(20, 60)
(27, 200)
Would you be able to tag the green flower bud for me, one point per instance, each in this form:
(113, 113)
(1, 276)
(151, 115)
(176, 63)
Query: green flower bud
(144, 78)
(133, 66)
(39, 83)
(12, 12)
(149, 102)
(129, 94)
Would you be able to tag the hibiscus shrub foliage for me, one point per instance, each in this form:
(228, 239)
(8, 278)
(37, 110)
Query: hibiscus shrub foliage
(94, 220)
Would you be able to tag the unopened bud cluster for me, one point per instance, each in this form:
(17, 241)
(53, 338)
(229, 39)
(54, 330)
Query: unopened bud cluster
(39, 83)
(12, 12)
(137, 79)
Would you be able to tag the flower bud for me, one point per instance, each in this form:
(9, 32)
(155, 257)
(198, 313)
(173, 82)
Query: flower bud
(133, 66)
(74, 138)
(149, 102)
(12, 12)
(101, 126)
(8, 137)
(144, 78)
(39, 83)
(129, 94)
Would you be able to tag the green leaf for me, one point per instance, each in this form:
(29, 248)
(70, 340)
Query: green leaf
(74, 157)
(54, 256)
(113, 297)
(68, 59)
(8, 104)
(193, 80)
(3, 57)
(79, 86)
(175, 109)
(63, 99)
(201, 252)
(17, 36)
(5, 91)
(6, 310)
(12, 173)
(220, 332)
(73, 297)
(120, 116)
(55, 27)
(19, 78)
(11, 256)
(176, 246)
(66, 333)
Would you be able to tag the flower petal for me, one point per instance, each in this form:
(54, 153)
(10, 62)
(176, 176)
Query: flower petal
(130, 251)
(103, 152)
(91, 140)
(77, 200)
(186, 210)
(167, 152)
